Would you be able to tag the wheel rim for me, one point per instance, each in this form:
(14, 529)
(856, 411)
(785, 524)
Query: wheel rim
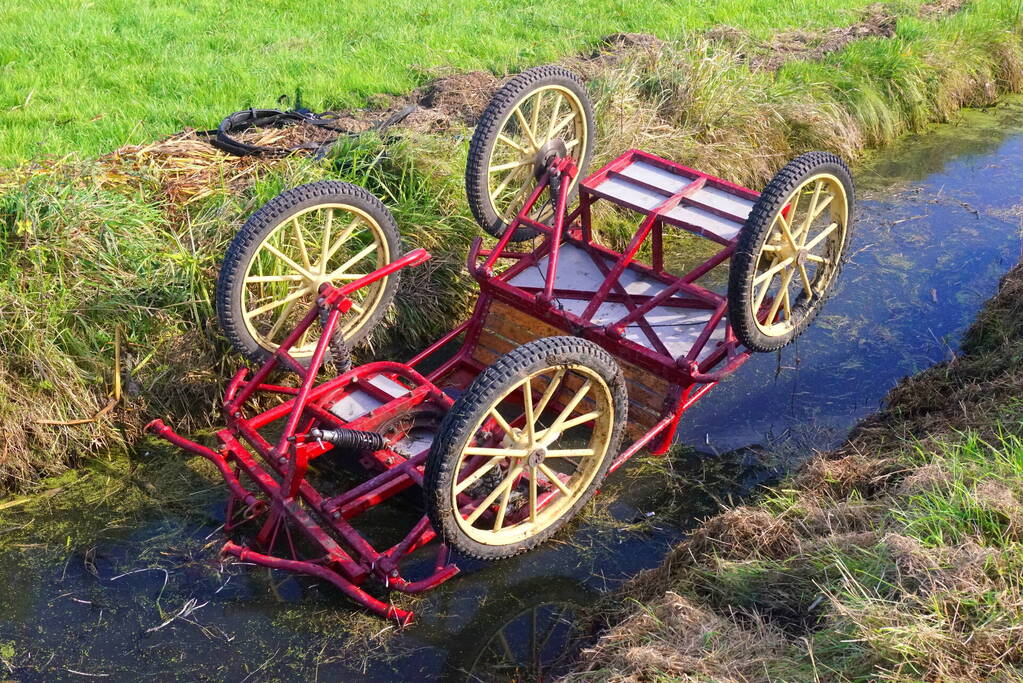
(536, 452)
(335, 243)
(550, 113)
(800, 255)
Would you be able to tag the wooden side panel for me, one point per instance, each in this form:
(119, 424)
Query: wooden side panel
(506, 328)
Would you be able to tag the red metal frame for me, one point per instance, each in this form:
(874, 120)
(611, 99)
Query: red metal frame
(264, 456)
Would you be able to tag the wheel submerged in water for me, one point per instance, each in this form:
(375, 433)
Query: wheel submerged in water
(790, 251)
(525, 446)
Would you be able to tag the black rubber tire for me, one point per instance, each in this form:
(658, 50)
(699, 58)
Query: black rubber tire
(742, 267)
(459, 424)
(482, 145)
(259, 225)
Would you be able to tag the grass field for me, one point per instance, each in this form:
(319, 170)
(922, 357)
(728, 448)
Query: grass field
(87, 77)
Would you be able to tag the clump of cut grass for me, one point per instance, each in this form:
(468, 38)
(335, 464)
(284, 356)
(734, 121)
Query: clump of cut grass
(897, 557)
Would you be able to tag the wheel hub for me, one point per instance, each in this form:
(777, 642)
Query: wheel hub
(536, 457)
(548, 151)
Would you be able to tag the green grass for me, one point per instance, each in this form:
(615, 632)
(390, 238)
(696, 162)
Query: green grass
(87, 77)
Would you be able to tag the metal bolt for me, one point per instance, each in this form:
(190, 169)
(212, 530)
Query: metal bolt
(335, 514)
(291, 439)
(394, 573)
(282, 459)
(238, 414)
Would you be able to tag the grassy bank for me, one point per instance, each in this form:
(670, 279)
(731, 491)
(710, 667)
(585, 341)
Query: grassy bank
(116, 256)
(87, 77)
(897, 557)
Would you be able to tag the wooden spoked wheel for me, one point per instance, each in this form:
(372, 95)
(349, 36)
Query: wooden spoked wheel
(541, 113)
(791, 251)
(525, 447)
(321, 233)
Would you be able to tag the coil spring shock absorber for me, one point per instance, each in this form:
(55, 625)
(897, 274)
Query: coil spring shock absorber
(349, 439)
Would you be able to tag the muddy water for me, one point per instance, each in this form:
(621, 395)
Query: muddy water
(115, 575)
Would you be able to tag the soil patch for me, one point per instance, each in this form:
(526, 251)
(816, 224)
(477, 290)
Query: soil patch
(876, 21)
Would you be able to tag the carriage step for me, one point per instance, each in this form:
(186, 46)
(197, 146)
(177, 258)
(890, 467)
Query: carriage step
(708, 206)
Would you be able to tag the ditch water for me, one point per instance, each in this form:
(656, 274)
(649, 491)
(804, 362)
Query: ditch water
(91, 578)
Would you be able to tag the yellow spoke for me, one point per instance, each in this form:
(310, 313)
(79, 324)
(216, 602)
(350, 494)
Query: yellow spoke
(582, 419)
(527, 401)
(564, 122)
(785, 280)
(548, 393)
(786, 230)
(759, 301)
(771, 248)
(511, 143)
(476, 475)
(502, 508)
(504, 183)
(525, 127)
(537, 106)
(301, 340)
(812, 211)
(570, 406)
(787, 304)
(571, 143)
(532, 495)
(328, 224)
(554, 115)
(496, 452)
(553, 476)
(273, 278)
(280, 321)
(350, 276)
(793, 207)
(819, 211)
(291, 264)
(357, 308)
(301, 242)
(502, 423)
(338, 243)
(769, 273)
(571, 453)
(818, 259)
(498, 490)
(807, 287)
(819, 238)
(352, 261)
(511, 164)
(521, 193)
(274, 304)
